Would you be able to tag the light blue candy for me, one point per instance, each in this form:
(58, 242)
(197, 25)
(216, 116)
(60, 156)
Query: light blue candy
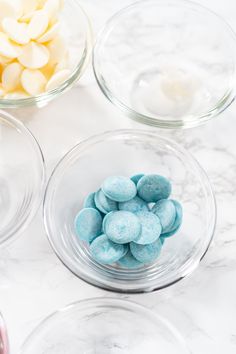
(88, 224)
(89, 201)
(105, 251)
(122, 226)
(152, 188)
(128, 261)
(165, 210)
(136, 178)
(162, 239)
(119, 189)
(134, 205)
(146, 253)
(151, 228)
(103, 203)
(178, 220)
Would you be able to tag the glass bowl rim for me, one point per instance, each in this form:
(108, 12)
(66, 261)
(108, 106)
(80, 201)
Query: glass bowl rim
(99, 138)
(35, 203)
(198, 120)
(67, 84)
(108, 302)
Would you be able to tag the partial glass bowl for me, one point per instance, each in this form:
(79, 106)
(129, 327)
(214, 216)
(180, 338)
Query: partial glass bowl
(128, 152)
(167, 63)
(76, 29)
(22, 177)
(105, 326)
(4, 345)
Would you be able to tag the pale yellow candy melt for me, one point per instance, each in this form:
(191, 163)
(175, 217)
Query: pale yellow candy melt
(33, 81)
(38, 24)
(53, 8)
(50, 33)
(29, 6)
(7, 48)
(34, 56)
(7, 10)
(57, 49)
(2, 92)
(16, 31)
(11, 76)
(58, 79)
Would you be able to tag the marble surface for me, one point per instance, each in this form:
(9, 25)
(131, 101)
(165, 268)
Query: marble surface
(34, 283)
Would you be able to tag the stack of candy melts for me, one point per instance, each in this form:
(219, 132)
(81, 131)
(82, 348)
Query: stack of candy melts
(33, 52)
(128, 219)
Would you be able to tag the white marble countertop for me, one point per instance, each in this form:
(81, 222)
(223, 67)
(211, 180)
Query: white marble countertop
(34, 283)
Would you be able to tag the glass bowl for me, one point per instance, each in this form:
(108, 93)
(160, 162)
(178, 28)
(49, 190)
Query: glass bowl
(128, 152)
(167, 63)
(104, 326)
(76, 30)
(4, 346)
(22, 176)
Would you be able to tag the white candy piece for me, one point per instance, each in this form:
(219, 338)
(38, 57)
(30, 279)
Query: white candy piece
(57, 49)
(16, 95)
(38, 24)
(34, 56)
(29, 6)
(53, 8)
(4, 60)
(7, 10)
(58, 79)
(15, 30)
(7, 49)
(27, 17)
(49, 34)
(11, 76)
(33, 81)
(2, 92)
(63, 64)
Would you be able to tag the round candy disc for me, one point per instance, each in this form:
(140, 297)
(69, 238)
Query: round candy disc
(118, 188)
(151, 228)
(122, 226)
(105, 251)
(152, 188)
(88, 224)
(165, 210)
(178, 220)
(134, 205)
(136, 178)
(128, 261)
(89, 201)
(103, 203)
(146, 253)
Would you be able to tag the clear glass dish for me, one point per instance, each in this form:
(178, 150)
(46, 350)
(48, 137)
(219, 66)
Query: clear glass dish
(104, 326)
(76, 29)
(22, 176)
(167, 63)
(4, 345)
(128, 152)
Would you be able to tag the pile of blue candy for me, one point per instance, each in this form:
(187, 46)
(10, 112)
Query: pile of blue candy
(128, 219)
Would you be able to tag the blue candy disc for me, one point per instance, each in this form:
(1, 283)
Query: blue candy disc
(134, 205)
(128, 261)
(152, 188)
(136, 178)
(105, 251)
(103, 203)
(178, 220)
(151, 228)
(89, 201)
(165, 210)
(122, 226)
(88, 224)
(146, 253)
(119, 189)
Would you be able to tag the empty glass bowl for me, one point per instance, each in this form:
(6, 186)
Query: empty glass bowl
(167, 63)
(76, 29)
(21, 176)
(104, 326)
(125, 153)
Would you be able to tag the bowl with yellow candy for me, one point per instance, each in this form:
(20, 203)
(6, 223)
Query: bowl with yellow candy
(44, 49)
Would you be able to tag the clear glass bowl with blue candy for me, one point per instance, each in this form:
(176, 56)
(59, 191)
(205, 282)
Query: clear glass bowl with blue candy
(125, 153)
(104, 326)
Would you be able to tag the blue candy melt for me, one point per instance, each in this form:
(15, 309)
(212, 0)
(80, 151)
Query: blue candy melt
(89, 201)
(134, 205)
(178, 220)
(165, 210)
(152, 188)
(122, 226)
(103, 203)
(128, 261)
(136, 178)
(119, 189)
(151, 228)
(88, 224)
(105, 251)
(146, 253)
